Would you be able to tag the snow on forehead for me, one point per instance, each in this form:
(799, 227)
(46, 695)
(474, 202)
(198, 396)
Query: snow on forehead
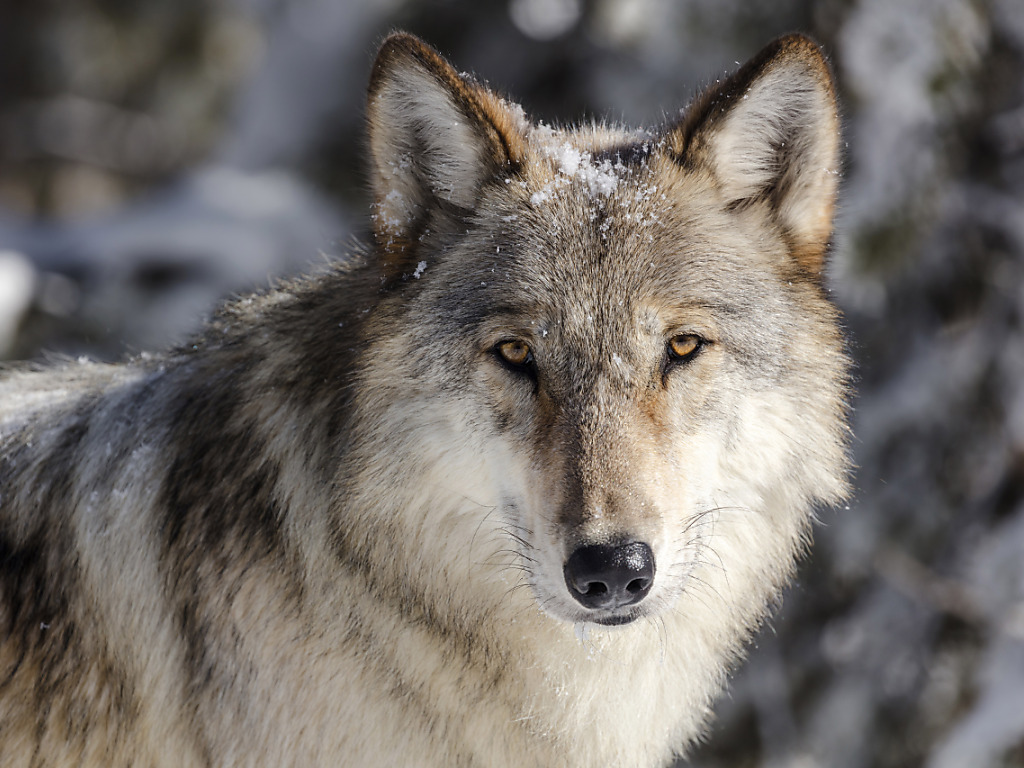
(600, 177)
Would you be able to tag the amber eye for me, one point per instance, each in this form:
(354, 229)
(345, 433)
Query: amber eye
(684, 346)
(515, 353)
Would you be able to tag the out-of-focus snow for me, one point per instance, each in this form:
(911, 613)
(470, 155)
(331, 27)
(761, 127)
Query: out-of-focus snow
(148, 274)
(17, 284)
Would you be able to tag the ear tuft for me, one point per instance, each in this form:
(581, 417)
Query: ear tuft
(770, 133)
(435, 138)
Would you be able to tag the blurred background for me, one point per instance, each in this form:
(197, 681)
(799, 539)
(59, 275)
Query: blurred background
(156, 156)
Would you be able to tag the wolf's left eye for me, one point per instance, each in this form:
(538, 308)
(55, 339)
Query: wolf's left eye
(684, 347)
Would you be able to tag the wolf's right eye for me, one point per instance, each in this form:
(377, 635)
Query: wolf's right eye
(515, 353)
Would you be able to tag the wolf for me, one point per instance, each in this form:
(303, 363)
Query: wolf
(510, 486)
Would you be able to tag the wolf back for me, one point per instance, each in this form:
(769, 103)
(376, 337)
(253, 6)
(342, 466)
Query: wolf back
(511, 487)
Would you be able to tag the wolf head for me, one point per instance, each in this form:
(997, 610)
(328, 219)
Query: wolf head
(615, 342)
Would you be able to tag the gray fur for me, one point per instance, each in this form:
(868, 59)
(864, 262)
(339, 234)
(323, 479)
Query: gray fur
(332, 529)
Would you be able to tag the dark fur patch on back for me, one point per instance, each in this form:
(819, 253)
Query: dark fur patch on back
(31, 592)
(38, 574)
(221, 520)
(46, 627)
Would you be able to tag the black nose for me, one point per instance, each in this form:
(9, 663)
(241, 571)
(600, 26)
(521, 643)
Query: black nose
(610, 576)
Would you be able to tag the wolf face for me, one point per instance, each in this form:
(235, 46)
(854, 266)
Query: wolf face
(635, 320)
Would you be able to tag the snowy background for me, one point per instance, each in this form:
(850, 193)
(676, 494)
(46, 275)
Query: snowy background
(157, 155)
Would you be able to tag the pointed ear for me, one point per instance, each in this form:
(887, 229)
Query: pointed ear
(435, 138)
(770, 134)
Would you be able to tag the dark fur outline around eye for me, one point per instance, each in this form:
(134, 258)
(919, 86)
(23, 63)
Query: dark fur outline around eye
(526, 368)
(672, 360)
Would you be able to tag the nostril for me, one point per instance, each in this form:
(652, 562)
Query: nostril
(602, 576)
(638, 585)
